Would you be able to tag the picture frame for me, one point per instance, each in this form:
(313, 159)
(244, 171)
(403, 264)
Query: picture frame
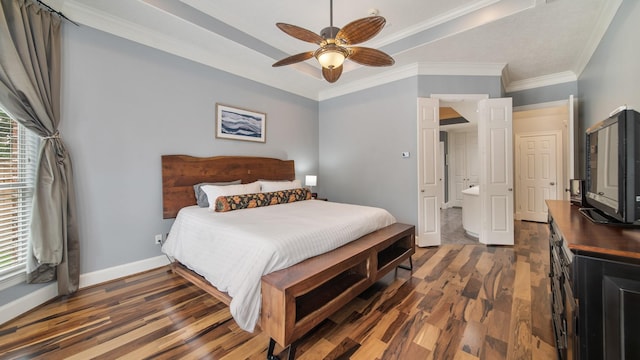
(240, 124)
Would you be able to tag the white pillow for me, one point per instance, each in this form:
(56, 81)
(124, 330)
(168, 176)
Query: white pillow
(270, 186)
(213, 191)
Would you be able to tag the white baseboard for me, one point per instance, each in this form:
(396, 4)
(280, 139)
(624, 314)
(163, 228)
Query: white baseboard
(22, 305)
(119, 271)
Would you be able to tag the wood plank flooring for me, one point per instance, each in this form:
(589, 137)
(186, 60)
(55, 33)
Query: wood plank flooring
(461, 302)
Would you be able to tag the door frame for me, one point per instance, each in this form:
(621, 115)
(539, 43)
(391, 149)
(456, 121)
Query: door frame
(440, 97)
(572, 166)
(454, 98)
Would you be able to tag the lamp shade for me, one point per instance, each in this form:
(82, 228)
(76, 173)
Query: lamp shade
(310, 180)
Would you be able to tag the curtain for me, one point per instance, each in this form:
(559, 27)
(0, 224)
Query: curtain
(30, 93)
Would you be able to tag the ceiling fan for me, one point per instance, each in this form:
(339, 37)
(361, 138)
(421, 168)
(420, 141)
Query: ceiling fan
(336, 45)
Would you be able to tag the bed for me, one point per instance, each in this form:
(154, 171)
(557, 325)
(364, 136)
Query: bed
(295, 292)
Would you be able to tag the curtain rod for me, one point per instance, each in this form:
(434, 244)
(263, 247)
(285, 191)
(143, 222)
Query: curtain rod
(57, 12)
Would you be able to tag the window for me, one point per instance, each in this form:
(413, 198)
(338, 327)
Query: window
(18, 154)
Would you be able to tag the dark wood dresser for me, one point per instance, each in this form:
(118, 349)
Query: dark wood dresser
(595, 286)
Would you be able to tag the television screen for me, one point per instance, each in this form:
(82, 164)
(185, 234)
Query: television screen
(603, 165)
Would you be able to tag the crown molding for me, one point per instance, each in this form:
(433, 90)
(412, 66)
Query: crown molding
(399, 73)
(438, 20)
(546, 80)
(463, 69)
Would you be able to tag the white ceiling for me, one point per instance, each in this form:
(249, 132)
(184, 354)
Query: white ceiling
(529, 42)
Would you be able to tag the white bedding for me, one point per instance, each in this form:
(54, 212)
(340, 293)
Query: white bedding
(232, 250)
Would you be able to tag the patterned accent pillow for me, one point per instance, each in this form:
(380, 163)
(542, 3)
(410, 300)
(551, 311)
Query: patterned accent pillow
(245, 201)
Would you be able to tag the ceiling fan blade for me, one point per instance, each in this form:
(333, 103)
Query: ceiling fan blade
(332, 75)
(300, 33)
(294, 59)
(360, 30)
(370, 57)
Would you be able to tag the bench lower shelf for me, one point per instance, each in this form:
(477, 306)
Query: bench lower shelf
(296, 299)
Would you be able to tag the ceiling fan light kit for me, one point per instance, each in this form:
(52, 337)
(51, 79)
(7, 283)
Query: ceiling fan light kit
(331, 56)
(336, 45)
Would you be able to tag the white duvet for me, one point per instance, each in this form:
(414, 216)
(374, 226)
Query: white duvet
(232, 250)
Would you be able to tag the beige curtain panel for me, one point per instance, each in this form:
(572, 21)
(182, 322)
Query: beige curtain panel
(30, 93)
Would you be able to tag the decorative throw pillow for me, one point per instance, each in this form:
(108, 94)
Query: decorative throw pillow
(201, 197)
(214, 191)
(245, 201)
(271, 186)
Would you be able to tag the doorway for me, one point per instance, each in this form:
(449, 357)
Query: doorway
(539, 173)
(544, 154)
(495, 162)
(463, 172)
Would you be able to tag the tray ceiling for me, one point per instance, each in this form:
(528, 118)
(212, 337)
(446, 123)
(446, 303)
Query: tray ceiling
(528, 42)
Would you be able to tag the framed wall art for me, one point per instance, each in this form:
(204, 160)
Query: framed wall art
(240, 124)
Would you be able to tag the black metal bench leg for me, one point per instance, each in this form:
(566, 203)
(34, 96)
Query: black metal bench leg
(272, 346)
(410, 267)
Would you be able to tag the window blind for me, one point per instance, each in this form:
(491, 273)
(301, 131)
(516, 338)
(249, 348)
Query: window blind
(18, 155)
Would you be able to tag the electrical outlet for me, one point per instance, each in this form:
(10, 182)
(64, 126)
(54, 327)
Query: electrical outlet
(158, 239)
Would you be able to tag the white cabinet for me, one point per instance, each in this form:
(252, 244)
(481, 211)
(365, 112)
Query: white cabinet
(464, 169)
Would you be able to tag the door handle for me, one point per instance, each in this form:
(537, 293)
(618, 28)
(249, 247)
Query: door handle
(510, 189)
(552, 183)
(421, 191)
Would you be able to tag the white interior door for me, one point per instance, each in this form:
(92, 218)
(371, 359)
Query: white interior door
(495, 140)
(538, 171)
(429, 186)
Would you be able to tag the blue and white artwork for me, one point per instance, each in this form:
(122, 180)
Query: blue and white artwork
(233, 123)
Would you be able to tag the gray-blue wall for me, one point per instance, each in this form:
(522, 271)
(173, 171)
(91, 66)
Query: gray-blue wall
(544, 94)
(123, 106)
(612, 76)
(362, 137)
(363, 134)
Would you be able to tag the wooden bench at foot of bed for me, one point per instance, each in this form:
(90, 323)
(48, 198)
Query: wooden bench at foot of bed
(296, 299)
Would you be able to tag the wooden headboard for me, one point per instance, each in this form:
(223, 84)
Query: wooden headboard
(181, 172)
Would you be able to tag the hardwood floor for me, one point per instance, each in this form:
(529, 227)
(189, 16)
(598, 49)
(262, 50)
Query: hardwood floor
(461, 302)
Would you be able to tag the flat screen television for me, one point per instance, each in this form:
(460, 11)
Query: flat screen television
(613, 167)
